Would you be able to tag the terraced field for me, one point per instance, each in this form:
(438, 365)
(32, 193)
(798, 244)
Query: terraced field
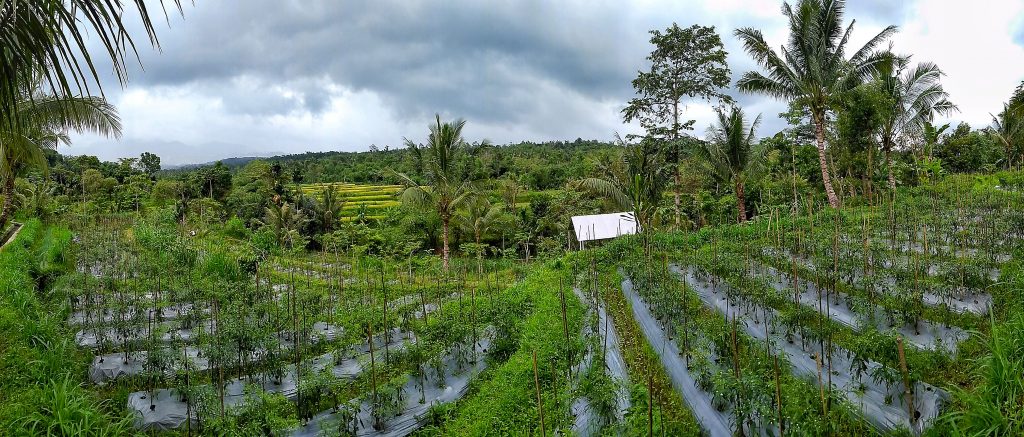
(367, 201)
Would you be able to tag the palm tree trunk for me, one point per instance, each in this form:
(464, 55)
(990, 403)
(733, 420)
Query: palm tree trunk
(8, 192)
(741, 201)
(888, 165)
(675, 164)
(819, 134)
(869, 174)
(444, 237)
(676, 189)
(479, 254)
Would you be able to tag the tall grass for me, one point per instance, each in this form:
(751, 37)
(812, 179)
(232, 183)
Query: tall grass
(996, 406)
(40, 384)
(64, 408)
(529, 320)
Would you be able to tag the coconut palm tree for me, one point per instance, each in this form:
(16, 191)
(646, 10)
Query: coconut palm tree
(329, 207)
(812, 69)
(447, 186)
(41, 123)
(1008, 131)
(284, 221)
(478, 217)
(732, 153)
(636, 182)
(914, 96)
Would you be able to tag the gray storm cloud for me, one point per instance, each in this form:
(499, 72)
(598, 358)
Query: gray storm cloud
(267, 76)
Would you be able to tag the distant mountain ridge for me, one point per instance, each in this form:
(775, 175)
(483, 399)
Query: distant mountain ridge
(240, 161)
(230, 162)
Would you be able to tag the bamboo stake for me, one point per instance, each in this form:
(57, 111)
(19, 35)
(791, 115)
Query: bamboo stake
(540, 402)
(821, 385)
(908, 393)
(650, 401)
(778, 397)
(373, 371)
(565, 322)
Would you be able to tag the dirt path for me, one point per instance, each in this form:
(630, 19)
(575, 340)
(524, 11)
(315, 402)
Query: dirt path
(12, 234)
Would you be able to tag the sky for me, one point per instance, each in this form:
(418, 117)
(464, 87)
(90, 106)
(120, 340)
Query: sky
(269, 77)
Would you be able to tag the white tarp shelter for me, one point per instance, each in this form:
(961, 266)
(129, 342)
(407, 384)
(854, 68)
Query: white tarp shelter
(603, 226)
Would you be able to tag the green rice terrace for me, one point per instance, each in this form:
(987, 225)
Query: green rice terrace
(361, 202)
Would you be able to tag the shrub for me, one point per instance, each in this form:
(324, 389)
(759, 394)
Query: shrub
(235, 228)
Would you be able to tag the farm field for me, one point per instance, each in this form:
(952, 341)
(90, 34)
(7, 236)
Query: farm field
(858, 321)
(366, 201)
(371, 201)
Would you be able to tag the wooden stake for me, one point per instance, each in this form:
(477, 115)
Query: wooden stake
(540, 402)
(778, 397)
(650, 401)
(821, 385)
(908, 393)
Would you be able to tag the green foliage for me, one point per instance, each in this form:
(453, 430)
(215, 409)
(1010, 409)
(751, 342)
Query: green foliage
(862, 112)
(685, 63)
(733, 156)
(235, 228)
(40, 392)
(505, 402)
(253, 189)
(266, 414)
(634, 183)
(965, 150)
(66, 408)
(996, 406)
(812, 71)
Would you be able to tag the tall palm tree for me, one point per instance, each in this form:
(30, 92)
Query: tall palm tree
(812, 69)
(914, 96)
(1008, 130)
(634, 183)
(41, 123)
(732, 153)
(447, 186)
(478, 217)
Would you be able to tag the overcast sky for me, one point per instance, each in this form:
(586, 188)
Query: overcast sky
(267, 77)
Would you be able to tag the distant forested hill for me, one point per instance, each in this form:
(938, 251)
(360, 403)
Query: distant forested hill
(540, 165)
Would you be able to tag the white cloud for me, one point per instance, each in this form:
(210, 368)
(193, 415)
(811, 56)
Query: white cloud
(973, 43)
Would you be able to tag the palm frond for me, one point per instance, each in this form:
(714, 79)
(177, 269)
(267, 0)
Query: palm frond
(870, 47)
(81, 114)
(608, 190)
(55, 38)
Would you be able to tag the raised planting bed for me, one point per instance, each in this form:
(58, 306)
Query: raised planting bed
(959, 300)
(882, 398)
(714, 421)
(603, 345)
(837, 306)
(411, 403)
(164, 409)
(108, 367)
